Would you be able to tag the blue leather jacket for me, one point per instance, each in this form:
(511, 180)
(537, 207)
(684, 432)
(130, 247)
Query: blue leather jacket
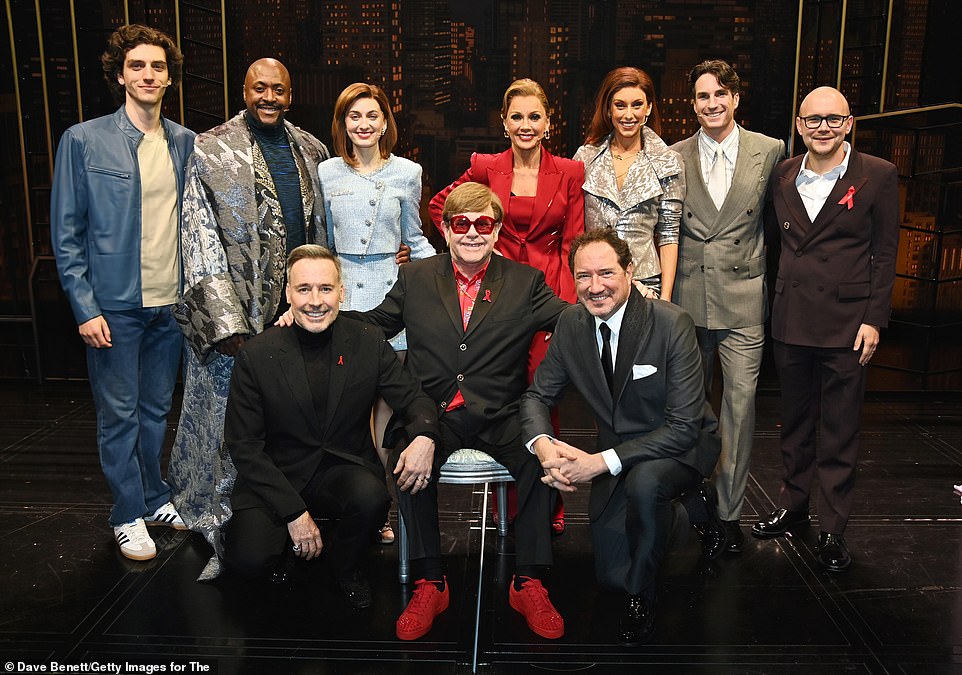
(95, 211)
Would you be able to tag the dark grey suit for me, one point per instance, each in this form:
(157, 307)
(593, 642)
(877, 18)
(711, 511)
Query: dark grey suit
(657, 422)
(721, 283)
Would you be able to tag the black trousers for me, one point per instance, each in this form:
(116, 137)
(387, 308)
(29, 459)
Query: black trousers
(352, 495)
(639, 524)
(822, 388)
(532, 524)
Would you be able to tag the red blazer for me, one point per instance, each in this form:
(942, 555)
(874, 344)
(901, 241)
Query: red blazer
(558, 217)
(836, 273)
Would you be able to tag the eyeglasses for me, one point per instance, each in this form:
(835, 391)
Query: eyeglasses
(460, 224)
(833, 121)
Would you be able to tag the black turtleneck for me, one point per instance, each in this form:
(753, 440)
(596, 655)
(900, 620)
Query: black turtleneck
(316, 350)
(276, 148)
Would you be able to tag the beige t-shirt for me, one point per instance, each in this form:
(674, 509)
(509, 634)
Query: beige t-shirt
(159, 263)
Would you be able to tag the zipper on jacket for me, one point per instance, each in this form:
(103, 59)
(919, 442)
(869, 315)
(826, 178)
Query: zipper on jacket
(109, 172)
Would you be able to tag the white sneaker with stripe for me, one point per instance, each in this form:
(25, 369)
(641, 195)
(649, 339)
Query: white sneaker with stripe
(134, 541)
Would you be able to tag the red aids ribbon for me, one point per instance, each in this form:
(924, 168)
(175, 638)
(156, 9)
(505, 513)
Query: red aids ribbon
(848, 199)
(340, 360)
(487, 296)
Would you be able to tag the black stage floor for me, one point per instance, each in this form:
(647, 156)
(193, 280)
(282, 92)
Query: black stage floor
(68, 598)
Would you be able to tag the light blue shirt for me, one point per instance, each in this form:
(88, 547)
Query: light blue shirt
(814, 188)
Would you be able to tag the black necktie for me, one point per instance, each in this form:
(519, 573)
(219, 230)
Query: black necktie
(606, 362)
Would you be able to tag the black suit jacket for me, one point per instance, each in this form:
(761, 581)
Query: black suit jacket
(488, 361)
(271, 428)
(658, 409)
(836, 273)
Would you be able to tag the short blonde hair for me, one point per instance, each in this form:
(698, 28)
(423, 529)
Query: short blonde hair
(524, 87)
(471, 197)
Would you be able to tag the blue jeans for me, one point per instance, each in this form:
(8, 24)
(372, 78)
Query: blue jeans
(133, 382)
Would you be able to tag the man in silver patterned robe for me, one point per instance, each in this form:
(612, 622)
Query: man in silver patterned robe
(252, 194)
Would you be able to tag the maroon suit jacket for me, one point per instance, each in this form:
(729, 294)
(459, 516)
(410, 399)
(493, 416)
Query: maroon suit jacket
(558, 217)
(836, 273)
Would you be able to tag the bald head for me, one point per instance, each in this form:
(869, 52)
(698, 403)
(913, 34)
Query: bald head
(267, 91)
(822, 97)
(824, 119)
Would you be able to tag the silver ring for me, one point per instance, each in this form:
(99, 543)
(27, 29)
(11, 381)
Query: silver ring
(297, 548)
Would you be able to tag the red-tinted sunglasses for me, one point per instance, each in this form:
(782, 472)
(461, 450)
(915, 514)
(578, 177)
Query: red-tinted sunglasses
(460, 224)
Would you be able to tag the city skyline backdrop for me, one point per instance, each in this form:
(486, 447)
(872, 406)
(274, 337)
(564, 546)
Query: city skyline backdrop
(445, 66)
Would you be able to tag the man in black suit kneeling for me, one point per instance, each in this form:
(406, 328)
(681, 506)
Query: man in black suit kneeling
(298, 430)
(637, 365)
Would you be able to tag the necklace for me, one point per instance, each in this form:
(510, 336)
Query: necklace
(625, 156)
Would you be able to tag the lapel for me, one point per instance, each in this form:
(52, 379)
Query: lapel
(635, 332)
(793, 201)
(587, 338)
(744, 180)
(549, 180)
(499, 175)
(831, 209)
(292, 367)
(697, 198)
(447, 291)
(490, 287)
(342, 361)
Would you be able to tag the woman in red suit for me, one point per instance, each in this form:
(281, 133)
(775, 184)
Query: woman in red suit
(542, 196)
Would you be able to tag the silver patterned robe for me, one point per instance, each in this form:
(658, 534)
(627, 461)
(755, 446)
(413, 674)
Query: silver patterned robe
(233, 245)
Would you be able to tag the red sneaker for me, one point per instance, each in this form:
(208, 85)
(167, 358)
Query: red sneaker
(558, 518)
(532, 601)
(426, 603)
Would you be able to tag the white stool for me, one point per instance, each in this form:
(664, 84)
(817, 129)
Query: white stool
(464, 467)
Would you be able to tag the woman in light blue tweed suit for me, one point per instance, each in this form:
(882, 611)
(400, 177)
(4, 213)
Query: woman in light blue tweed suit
(372, 201)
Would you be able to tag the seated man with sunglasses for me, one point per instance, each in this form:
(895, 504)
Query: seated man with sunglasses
(470, 317)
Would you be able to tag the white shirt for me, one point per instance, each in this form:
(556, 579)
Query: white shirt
(706, 154)
(814, 188)
(614, 323)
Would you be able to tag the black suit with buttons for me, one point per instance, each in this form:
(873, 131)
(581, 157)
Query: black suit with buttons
(834, 274)
(488, 364)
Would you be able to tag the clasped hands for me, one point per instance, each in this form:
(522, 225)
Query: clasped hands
(565, 465)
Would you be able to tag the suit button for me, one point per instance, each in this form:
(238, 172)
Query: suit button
(702, 268)
(798, 253)
(368, 223)
(689, 214)
(794, 284)
(786, 225)
(379, 185)
(460, 377)
(360, 284)
(749, 211)
(735, 268)
(444, 404)
(364, 241)
(737, 242)
(373, 202)
(463, 347)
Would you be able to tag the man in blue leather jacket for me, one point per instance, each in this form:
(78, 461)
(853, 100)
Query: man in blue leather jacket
(115, 208)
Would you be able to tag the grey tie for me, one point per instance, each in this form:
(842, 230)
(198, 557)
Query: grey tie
(717, 187)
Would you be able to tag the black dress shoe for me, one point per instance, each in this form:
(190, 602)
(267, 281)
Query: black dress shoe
(711, 531)
(734, 539)
(637, 621)
(356, 591)
(779, 522)
(832, 552)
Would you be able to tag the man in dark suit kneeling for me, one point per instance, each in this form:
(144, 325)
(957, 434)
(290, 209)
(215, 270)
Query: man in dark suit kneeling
(636, 363)
(298, 430)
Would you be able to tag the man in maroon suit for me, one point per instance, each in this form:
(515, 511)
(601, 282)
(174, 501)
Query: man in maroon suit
(837, 212)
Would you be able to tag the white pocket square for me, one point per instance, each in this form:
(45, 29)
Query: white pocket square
(643, 370)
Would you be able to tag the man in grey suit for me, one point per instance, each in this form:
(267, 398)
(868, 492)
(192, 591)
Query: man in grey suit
(636, 363)
(721, 266)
